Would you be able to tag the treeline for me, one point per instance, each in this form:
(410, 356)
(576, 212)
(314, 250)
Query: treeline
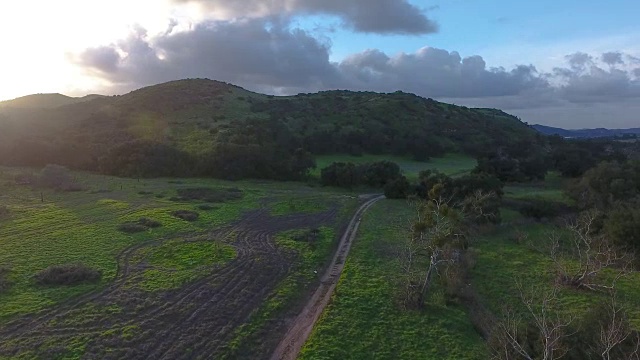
(612, 189)
(522, 161)
(249, 148)
(387, 175)
(399, 124)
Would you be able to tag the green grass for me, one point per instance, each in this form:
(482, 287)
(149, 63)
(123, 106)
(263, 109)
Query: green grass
(309, 205)
(364, 321)
(501, 261)
(552, 189)
(288, 295)
(176, 262)
(451, 164)
(83, 227)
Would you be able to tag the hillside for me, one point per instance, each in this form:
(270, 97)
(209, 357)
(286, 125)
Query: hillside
(586, 133)
(205, 127)
(45, 101)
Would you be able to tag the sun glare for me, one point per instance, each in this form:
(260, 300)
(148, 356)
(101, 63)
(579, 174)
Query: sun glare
(40, 48)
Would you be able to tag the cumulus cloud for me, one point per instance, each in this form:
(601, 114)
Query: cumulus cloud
(271, 57)
(246, 53)
(368, 16)
(435, 73)
(612, 58)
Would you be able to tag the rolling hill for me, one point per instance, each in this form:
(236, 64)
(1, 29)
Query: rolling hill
(209, 128)
(45, 101)
(586, 133)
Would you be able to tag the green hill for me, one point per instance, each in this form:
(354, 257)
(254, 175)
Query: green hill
(208, 128)
(45, 101)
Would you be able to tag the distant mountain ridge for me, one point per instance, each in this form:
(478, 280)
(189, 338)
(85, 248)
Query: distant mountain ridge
(585, 133)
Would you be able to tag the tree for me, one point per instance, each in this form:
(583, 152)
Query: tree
(581, 262)
(438, 235)
(398, 188)
(551, 327)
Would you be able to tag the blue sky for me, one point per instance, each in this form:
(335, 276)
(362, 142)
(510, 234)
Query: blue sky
(565, 63)
(486, 27)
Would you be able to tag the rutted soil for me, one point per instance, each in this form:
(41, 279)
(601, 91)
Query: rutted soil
(196, 321)
(299, 331)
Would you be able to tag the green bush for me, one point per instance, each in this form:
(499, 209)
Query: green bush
(4, 211)
(70, 274)
(5, 284)
(143, 224)
(186, 215)
(208, 195)
(149, 223)
(206, 207)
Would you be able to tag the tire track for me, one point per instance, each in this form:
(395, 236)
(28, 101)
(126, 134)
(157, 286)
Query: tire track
(299, 331)
(195, 321)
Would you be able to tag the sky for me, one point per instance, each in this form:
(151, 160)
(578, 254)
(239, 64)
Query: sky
(566, 63)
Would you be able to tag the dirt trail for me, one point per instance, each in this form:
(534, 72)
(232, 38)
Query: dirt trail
(299, 331)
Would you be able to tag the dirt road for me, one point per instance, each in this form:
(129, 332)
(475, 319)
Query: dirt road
(294, 340)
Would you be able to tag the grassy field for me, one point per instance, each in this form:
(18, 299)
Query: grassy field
(364, 320)
(501, 261)
(82, 227)
(552, 189)
(451, 164)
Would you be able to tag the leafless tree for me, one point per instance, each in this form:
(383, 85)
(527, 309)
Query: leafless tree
(616, 329)
(587, 255)
(552, 327)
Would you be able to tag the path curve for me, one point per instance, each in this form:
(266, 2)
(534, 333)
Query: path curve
(301, 328)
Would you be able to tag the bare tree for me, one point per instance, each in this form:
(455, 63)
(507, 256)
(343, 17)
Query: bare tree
(616, 329)
(635, 354)
(587, 255)
(552, 327)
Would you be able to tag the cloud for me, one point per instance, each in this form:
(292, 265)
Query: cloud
(271, 57)
(246, 53)
(612, 58)
(367, 16)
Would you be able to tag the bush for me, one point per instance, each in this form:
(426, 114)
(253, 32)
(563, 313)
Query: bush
(208, 195)
(132, 228)
(5, 284)
(70, 274)
(186, 215)
(4, 211)
(206, 207)
(58, 178)
(309, 236)
(397, 189)
(149, 223)
(143, 224)
(540, 209)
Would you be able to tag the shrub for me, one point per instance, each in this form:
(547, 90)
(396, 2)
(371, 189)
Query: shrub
(208, 195)
(4, 279)
(397, 189)
(149, 223)
(69, 274)
(143, 224)
(4, 211)
(132, 228)
(206, 207)
(309, 236)
(58, 178)
(540, 209)
(186, 215)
